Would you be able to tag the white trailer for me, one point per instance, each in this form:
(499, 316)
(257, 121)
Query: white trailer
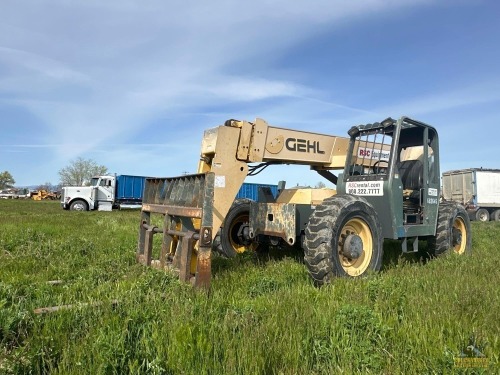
(477, 189)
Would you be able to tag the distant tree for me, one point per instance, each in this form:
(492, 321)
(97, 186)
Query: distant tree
(320, 185)
(80, 171)
(48, 186)
(6, 180)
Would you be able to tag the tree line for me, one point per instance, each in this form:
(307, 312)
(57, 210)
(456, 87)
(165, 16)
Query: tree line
(77, 173)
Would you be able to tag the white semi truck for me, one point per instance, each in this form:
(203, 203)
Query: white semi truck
(125, 191)
(104, 193)
(477, 189)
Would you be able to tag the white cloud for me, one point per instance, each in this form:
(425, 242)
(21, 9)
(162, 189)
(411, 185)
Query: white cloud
(44, 66)
(98, 71)
(478, 93)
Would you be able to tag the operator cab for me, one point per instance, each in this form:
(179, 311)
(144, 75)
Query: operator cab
(394, 166)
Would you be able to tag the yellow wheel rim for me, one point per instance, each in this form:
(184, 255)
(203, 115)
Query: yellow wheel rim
(233, 235)
(459, 225)
(356, 267)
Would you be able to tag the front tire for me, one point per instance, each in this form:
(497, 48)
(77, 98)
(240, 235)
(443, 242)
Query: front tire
(343, 238)
(79, 205)
(233, 236)
(453, 231)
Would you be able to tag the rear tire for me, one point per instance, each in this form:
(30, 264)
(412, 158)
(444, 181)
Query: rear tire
(496, 215)
(338, 224)
(452, 232)
(482, 215)
(79, 205)
(230, 240)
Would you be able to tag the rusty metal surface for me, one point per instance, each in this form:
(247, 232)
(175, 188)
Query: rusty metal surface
(148, 247)
(274, 219)
(203, 267)
(173, 210)
(145, 219)
(180, 233)
(184, 191)
(186, 203)
(185, 257)
(206, 236)
(167, 241)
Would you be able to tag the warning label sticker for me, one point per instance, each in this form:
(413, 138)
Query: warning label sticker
(365, 188)
(220, 181)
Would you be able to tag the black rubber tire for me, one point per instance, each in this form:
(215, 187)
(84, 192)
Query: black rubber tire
(450, 216)
(495, 215)
(225, 241)
(482, 215)
(79, 205)
(325, 230)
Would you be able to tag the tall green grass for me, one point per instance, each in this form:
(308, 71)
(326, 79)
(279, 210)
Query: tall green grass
(262, 316)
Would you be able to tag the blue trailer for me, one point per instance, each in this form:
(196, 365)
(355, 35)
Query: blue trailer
(129, 188)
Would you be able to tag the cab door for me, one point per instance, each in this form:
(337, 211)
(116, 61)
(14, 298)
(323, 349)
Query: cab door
(418, 168)
(105, 190)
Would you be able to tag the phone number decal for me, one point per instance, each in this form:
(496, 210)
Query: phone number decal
(365, 188)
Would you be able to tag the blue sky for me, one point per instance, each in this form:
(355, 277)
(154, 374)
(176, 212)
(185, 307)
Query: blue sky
(132, 84)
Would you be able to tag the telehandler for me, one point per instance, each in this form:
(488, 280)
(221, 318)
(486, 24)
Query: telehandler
(388, 188)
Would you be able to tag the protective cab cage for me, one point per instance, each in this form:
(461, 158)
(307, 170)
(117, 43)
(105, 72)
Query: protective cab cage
(385, 154)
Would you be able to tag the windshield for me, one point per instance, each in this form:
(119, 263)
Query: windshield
(93, 182)
(371, 152)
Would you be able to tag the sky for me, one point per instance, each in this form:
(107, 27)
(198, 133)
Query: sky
(132, 84)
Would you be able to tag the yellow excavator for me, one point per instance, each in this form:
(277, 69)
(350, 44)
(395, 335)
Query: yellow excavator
(42, 195)
(388, 187)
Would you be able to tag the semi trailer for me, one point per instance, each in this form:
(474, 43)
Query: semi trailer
(477, 189)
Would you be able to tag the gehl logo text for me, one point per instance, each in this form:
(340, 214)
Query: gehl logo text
(303, 145)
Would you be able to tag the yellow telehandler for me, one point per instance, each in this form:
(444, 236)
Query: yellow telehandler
(388, 187)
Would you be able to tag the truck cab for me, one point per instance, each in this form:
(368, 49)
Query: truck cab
(100, 193)
(103, 188)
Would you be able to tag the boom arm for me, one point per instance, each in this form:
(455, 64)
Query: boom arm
(227, 150)
(260, 142)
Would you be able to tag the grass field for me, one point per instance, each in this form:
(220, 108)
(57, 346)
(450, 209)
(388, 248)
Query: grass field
(263, 315)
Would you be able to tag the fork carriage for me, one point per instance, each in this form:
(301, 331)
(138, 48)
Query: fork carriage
(184, 202)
